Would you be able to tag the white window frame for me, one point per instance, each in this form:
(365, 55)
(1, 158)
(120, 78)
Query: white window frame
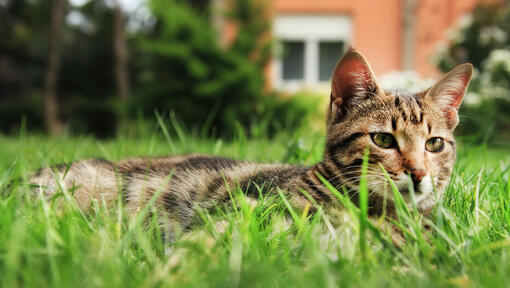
(311, 29)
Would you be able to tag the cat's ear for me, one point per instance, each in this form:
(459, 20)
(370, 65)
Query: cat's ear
(448, 92)
(353, 81)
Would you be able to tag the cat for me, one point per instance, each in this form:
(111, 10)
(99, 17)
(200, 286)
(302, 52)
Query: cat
(410, 135)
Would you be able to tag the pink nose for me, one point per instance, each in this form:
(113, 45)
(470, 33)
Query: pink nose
(417, 175)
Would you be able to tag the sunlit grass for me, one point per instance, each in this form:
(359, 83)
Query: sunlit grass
(44, 244)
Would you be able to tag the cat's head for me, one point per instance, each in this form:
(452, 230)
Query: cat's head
(409, 134)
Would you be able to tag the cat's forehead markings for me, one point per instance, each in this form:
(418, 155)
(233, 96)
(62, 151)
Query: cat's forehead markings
(414, 130)
(379, 129)
(409, 109)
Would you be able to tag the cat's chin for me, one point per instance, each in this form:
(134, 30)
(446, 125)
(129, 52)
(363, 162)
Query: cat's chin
(426, 204)
(421, 201)
(423, 198)
(422, 195)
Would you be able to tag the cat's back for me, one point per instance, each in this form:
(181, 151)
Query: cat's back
(173, 163)
(182, 180)
(192, 179)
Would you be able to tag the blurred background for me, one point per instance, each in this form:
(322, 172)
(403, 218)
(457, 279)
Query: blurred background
(110, 67)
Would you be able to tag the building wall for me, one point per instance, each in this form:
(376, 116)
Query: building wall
(377, 28)
(376, 25)
(318, 40)
(434, 18)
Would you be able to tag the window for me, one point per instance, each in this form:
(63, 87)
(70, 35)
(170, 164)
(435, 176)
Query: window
(310, 48)
(329, 53)
(293, 60)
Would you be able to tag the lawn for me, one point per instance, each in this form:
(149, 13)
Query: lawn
(43, 245)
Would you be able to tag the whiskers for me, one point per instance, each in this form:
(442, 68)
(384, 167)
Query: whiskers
(350, 180)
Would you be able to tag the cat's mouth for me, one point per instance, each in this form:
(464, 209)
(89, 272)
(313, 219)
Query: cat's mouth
(418, 194)
(414, 195)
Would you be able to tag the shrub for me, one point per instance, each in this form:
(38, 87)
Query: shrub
(475, 36)
(183, 69)
(488, 102)
(482, 39)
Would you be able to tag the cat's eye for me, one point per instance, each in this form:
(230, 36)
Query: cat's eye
(435, 144)
(384, 140)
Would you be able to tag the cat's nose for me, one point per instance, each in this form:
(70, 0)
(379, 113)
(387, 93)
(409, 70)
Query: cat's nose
(417, 175)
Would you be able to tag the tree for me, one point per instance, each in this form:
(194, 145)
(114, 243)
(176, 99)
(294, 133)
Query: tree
(85, 77)
(408, 37)
(482, 39)
(253, 38)
(121, 62)
(52, 123)
(184, 69)
(476, 36)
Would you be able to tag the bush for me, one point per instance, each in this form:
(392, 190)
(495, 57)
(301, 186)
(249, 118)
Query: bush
(183, 69)
(488, 102)
(277, 114)
(482, 39)
(176, 64)
(475, 36)
(85, 82)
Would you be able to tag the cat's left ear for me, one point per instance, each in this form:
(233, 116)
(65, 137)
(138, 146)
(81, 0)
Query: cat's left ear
(353, 82)
(448, 92)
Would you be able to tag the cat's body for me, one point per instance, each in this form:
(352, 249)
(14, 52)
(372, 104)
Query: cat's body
(410, 135)
(184, 182)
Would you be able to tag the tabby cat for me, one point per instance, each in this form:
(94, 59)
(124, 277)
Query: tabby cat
(410, 135)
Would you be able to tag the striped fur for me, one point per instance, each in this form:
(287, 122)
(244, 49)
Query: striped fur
(186, 182)
(358, 109)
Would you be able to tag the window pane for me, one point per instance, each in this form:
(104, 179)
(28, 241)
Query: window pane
(329, 54)
(293, 60)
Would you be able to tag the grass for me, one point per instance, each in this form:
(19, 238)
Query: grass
(44, 245)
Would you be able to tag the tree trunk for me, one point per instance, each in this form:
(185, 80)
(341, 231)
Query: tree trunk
(121, 63)
(408, 34)
(51, 121)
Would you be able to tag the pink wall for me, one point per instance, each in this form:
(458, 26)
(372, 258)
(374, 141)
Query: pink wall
(434, 18)
(378, 26)
(375, 23)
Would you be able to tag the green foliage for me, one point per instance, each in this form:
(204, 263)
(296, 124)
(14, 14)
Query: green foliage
(483, 40)
(176, 65)
(487, 121)
(183, 69)
(23, 49)
(484, 114)
(292, 114)
(253, 35)
(484, 30)
(86, 83)
(47, 243)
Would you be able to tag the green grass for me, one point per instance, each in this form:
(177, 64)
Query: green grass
(44, 245)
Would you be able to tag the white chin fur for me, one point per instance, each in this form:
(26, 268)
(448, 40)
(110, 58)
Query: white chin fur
(426, 189)
(422, 197)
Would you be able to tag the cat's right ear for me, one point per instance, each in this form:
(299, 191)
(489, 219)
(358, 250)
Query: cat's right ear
(448, 92)
(353, 81)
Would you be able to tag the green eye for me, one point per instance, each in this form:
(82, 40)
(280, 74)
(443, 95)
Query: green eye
(384, 140)
(435, 144)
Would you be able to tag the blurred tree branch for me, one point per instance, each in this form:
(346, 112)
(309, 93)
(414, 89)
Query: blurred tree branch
(52, 123)
(121, 62)
(408, 35)
(253, 38)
